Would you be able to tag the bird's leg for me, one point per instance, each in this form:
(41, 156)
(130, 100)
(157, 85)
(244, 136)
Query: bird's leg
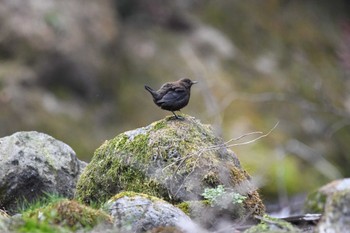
(181, 113)
(176, 116)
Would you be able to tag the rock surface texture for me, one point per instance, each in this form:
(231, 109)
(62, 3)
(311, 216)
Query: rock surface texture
(336, 217)
(140, 213)
(171, 159)
(32, 164)
(316, 201)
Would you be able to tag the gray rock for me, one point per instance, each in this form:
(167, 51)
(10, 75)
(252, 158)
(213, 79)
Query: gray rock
(316, 201)
(139, 213)
(175, 160)
(336, 217)
(32, 164)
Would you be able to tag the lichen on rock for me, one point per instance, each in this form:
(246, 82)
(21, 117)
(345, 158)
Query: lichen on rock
(336, 216)
(171, 159)
(32, 164)
(317, 199)
(140, 212)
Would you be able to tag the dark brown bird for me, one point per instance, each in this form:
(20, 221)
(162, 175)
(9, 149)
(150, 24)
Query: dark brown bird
(172, 96)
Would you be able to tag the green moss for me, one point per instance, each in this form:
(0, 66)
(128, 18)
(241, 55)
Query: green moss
(169, 159)
(159, 125)
(272, 225)
(62, 216)
(136, 146)
(194, 209)
(315, 202)
(260, 228)
(185, 207)
(33, 226)
(124, 162)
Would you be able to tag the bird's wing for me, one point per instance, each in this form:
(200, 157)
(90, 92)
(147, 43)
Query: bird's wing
(173, 94)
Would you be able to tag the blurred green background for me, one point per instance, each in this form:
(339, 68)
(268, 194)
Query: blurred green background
(75, 69)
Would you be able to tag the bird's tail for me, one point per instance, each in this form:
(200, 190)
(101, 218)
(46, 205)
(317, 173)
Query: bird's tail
(150, 90)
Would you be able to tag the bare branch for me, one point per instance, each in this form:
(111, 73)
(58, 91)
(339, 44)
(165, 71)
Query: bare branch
(254, 140)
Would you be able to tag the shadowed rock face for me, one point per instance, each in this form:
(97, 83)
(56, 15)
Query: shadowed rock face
(32, 164)
(171, 159)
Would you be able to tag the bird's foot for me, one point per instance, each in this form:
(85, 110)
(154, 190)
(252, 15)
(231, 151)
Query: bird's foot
(177, 117)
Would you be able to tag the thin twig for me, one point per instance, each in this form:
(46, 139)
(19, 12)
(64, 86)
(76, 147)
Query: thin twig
(240, 137)
(243, 136)
(254, 140)
(215, 147)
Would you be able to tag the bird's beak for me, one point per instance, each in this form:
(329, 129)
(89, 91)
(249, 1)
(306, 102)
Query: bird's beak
(194, 82)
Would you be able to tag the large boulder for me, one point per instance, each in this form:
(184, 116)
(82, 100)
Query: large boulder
(32, 164)
(172, 159)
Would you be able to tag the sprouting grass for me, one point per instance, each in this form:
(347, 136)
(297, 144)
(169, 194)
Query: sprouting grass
(55, 214)
(25, 206)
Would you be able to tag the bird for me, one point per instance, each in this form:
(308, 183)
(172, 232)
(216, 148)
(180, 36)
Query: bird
(172, 96)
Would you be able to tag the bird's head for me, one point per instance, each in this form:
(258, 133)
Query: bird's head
(187, 82)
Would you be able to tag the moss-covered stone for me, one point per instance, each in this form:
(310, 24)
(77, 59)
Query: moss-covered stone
(315, 202)
(317, 199)
(171, 159)
(62, 216)
(185, 207)
(137, 212)
(131, 194)
(336, 216)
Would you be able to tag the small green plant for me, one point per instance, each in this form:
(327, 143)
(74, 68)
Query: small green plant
(213, 194)
(238, 198)
(221, 197)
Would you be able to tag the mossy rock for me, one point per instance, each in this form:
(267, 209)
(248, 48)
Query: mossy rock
(138, 212)
(173, 159)
(336, 216)
(62, 216)
(316, 200)
(209, 214)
